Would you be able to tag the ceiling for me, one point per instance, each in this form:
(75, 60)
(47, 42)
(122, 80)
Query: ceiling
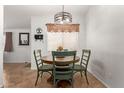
(18, 16)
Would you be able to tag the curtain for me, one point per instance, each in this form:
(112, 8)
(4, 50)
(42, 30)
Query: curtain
(65, 39)
(8, 43)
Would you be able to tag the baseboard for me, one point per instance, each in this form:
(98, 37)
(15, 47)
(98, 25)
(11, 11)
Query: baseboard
(97, 77)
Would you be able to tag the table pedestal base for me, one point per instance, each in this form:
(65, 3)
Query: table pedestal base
(61, 84)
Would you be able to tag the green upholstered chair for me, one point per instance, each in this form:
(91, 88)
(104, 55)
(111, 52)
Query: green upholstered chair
(40, 66)
(82, 67)
(61, 72)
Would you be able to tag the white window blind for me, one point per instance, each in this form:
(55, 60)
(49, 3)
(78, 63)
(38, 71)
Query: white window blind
(66, 39)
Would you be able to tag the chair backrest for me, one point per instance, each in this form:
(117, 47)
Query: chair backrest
(85, 57)
(65, 50)
(37, 56)
(63, 54)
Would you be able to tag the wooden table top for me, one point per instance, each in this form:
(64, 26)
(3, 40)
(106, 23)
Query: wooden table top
(61, 61)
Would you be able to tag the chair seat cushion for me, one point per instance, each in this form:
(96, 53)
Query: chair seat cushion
(46, 68)
(79, 67)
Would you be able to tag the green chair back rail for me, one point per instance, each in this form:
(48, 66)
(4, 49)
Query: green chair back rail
(63, 72)
(85, 57)
(83, 63)
(41, 68)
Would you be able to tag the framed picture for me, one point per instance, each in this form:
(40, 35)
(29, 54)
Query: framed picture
(23, 38)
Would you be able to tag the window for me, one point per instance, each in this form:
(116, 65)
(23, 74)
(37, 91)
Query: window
(66, 39)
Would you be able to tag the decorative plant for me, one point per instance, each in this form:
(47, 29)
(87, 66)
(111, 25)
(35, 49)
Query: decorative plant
(60, 48)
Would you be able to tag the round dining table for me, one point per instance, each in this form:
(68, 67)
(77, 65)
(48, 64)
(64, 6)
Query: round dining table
(59, 61)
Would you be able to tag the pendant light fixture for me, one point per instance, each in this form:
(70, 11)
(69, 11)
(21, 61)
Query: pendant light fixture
(63, 17)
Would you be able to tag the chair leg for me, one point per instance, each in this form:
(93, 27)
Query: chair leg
(72, 83)
(86, 78)
(41, 74)
(81, 73)
(37, 78)
(54, 83)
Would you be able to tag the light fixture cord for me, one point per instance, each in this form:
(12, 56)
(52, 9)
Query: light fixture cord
(62, 12)
(63, 8)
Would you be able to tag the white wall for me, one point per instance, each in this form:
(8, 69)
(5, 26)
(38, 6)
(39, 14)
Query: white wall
(41, 21)
(105, 37)
(1, 46)
(35, 23)
(20, 54)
